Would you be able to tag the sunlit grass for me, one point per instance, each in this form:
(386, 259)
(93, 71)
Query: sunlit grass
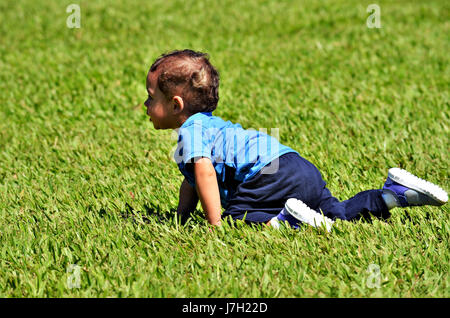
(86, 180)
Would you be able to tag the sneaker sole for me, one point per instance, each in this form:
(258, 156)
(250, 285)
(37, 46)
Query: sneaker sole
(305, 214)
(409, 180)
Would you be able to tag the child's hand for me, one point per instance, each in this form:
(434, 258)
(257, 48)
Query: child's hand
(187, 202)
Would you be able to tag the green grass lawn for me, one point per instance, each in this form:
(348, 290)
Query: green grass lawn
(86, 180)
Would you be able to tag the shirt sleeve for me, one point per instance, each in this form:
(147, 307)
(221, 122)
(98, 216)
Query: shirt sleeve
(194, 143)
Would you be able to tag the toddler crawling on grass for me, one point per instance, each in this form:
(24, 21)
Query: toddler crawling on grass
(247, 172)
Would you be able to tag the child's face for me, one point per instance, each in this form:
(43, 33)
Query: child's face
(160, 110)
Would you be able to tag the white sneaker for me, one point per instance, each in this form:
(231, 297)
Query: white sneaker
(410, 190)
(303, 213)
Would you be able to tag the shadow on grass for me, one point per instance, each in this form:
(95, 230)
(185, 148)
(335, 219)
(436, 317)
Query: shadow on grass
(368, 217)
(153, 213)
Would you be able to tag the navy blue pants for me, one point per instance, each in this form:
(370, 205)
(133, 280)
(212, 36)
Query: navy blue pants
(263, 196)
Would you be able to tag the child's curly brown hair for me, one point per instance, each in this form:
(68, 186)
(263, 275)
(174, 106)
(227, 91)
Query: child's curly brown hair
(189, 74)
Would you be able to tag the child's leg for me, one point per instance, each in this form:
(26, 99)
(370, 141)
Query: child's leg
(359, 205)
(265, 195)
(402, 189)
(311, 189)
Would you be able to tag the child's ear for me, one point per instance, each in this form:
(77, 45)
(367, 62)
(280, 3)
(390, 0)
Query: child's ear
(178, 104)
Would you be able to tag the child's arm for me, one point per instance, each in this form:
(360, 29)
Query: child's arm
(188, 200)
(208, 189)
